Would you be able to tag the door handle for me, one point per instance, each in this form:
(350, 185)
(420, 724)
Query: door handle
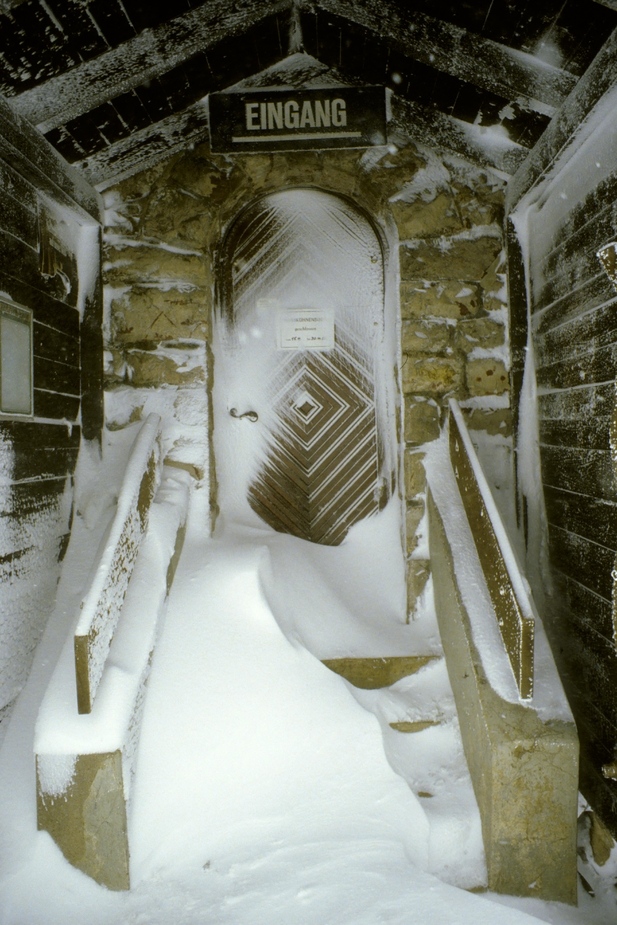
(251, 415)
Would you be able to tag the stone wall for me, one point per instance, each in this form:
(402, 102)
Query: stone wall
(163, 230)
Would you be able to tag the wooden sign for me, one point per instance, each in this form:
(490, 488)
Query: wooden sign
(288, 119)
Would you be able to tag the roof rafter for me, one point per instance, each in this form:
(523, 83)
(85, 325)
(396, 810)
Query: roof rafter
(455, 51)
(145, 57)
(151, 145)
(147, 147)
(483, 147)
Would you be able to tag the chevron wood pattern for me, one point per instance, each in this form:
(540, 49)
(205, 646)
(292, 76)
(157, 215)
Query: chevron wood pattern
(323, 465)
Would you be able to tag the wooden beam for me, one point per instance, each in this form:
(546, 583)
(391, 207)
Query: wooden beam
(147, 147)
(148, 55)
(463, 54)
(155, 143)
(598, 79)
(484, 147)
(24, 149)
(611, 4)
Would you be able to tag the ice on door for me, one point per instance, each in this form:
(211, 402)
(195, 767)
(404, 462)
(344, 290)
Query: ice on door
(300, 422)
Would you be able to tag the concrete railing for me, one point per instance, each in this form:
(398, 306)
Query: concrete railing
(85, 760)
(102, 604)
(513, 607)
(522, 751)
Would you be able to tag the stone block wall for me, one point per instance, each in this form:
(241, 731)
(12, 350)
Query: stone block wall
(442, 226)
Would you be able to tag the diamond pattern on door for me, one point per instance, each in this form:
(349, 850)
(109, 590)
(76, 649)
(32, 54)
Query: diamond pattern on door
(321, 474)
(323, 466)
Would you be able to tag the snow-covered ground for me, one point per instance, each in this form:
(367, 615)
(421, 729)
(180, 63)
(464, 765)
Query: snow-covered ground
(267, 789)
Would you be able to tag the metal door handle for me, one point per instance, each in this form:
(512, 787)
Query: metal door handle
(251, 415)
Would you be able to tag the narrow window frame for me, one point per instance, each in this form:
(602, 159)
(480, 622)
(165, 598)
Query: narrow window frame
(24, 316)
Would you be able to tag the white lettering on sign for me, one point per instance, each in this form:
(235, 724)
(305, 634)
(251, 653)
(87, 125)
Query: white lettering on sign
(305, 329)
(293, 115)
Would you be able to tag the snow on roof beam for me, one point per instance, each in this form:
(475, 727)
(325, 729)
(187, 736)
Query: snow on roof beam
(485, 147)
(148, 55)
(463, 54)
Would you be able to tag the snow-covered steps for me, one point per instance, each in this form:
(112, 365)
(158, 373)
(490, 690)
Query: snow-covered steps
(373, 673)
(522, 753)
(84, 761)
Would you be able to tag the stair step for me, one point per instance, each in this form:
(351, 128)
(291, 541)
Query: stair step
(373, 673)
(414, 726)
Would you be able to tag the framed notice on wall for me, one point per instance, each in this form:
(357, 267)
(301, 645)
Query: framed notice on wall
(287, 119)
(305, 329)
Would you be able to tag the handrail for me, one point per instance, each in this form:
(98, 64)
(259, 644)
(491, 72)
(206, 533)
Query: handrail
(102, 604)
(506, 586)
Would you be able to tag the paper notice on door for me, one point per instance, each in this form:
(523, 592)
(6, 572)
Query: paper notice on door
(305, 329)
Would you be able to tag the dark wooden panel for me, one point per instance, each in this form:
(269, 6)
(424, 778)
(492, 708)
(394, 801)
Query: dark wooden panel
(92, 372)
(39, 451)
(18, 220)
(556, 308)
(575, 257)
(23, 148)
(28, 498)
(15, 185)
(597, 201)
(588, 472)
(33, 434)
(589, 563)
(81, 35)
(580, 403)
(592, 433)
(143, 58)
(53, 406)
(21, 263)
(588, 608)
(447, 48)
(55, 345)
(43, 534)
(591, 518)
(571, 274)
(56, 377)
(595, 365)
(49, 463)
(597, 327)
(595, 659)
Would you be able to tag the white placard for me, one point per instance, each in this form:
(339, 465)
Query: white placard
(305, 329)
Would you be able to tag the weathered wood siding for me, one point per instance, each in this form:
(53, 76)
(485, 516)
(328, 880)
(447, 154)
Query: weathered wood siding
(574, 332)
(562, 204)
(38, 453)
(575, 339)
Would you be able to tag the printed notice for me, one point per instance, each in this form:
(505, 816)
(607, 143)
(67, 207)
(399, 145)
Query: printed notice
(305, 329)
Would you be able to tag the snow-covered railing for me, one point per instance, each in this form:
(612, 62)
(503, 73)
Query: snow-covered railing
(506, 586)
(85, 762)
(101, 607)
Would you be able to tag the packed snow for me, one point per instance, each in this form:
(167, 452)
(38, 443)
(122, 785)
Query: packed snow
(266, 788)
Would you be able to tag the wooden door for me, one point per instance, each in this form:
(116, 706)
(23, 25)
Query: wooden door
(304, 327)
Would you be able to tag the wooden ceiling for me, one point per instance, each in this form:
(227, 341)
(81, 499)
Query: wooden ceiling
(115, 85)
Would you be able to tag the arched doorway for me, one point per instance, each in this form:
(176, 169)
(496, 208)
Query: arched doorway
(303, 388)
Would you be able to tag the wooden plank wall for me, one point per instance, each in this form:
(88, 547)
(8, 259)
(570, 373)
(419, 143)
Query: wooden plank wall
(37, 454)
(574, 324)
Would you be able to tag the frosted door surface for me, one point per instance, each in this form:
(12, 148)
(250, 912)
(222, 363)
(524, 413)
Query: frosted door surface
(304, 330)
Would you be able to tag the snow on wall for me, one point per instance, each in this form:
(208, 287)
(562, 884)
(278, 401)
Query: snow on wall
(163, 239)
(29, 572)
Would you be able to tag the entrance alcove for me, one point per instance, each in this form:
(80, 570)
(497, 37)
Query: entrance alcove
(479, 126)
